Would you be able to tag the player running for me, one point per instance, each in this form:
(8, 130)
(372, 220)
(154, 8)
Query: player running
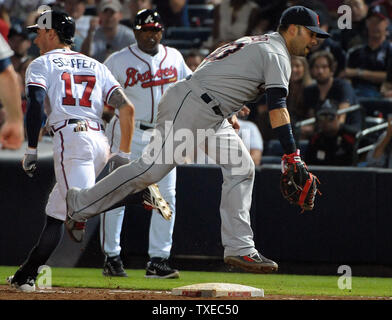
(76, 87)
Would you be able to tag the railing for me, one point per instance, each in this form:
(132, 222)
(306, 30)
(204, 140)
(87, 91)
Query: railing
(312, 120)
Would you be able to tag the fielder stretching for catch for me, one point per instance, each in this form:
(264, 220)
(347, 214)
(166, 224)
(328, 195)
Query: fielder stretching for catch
(228, 77)
(145, 70)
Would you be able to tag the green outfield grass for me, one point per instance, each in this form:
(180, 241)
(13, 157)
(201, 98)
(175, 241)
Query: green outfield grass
(272, 284)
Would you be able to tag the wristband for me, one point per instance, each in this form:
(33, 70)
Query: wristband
(123, 154)
(31, 151)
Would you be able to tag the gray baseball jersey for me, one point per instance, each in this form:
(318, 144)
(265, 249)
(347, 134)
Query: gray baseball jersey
(232, 85)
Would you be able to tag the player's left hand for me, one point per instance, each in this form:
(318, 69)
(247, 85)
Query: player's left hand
(297, 184)
(29, 162)
(117, 160)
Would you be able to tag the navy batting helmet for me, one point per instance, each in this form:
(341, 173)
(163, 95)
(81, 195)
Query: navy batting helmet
(59, 21)
(148, 19)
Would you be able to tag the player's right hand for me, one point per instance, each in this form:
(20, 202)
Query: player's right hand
(29, 162)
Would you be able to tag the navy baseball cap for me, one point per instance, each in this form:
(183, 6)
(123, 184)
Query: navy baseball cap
(303, 16)
(148, 19)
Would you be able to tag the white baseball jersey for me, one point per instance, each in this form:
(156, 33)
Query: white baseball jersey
(145, 78)
(76, 85)
(232, 83)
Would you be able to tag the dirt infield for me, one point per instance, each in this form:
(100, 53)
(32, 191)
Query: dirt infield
(58, 293)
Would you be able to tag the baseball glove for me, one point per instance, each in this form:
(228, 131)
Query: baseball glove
(297, 184)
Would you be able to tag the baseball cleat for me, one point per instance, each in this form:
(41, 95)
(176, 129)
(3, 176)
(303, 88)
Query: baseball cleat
(152, 199)
(27, 286)
(75, 229)
(113, 267)
(159, 268)
(253, 262)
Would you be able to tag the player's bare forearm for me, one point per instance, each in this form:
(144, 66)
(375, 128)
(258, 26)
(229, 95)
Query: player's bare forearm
(9, 92)
(127, 114)
(279, 117)
(127, 124)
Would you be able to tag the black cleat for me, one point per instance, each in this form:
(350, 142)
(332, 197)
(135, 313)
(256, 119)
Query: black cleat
(159, 268)
(113, 267)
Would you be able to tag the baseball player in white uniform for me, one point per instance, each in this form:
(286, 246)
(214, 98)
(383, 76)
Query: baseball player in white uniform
(230, 76)
(145, 70)
(76, 87)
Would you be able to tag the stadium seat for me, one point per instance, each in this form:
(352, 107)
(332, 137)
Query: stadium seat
(201, 15)
(197, 34)
(179, 44)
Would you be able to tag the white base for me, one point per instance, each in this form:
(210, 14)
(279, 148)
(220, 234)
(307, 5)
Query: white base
(217, 290)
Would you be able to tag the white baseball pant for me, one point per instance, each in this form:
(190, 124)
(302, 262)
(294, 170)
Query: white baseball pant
(78, 158)
(161, 230)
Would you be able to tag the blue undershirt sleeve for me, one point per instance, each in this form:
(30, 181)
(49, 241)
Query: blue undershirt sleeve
(34, 114)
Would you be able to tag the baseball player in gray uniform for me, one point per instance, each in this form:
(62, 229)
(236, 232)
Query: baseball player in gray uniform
(145, 70)
(231, 75)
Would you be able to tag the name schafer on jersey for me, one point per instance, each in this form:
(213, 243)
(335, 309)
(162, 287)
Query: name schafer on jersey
(147, 79)
(74, 63)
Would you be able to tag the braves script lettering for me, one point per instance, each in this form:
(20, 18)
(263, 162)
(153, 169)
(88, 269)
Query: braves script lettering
(149, 80)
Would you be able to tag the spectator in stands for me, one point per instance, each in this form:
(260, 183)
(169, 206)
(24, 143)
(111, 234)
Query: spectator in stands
(357, 35)
(300, 78)
(330, 45)
(337, 91)
(134, 7)
(381, 155)
(76, 9)
(367, 64)
(387, 4)
(105, 34)
(333, 142)
(174, 13)
(233, 19)
(269, 15)
(193, 59)
(386, 87)
(20, 43)
(19, 10)
(5, 22)
(250, 135)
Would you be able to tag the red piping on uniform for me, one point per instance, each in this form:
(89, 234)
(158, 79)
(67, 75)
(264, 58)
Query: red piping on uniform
(62, 159)
(152, 92)
(36, 83)
(110, 91)
(160, 68)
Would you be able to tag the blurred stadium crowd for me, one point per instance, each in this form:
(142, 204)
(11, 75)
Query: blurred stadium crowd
(340, 97)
